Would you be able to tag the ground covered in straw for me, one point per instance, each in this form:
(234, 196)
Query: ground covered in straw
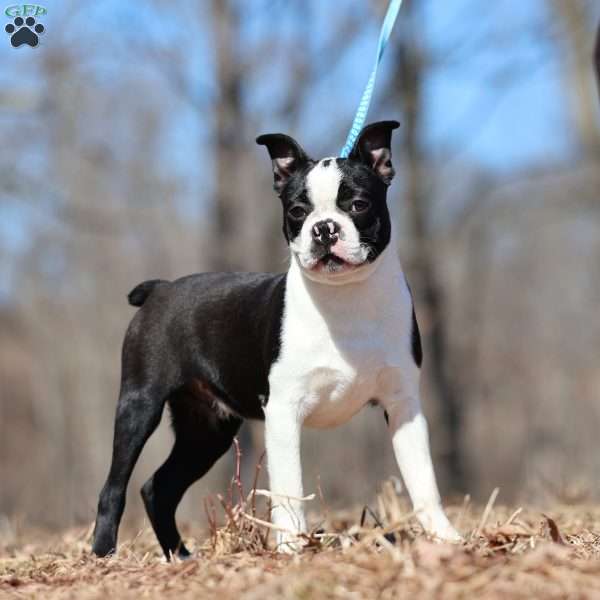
(507, 553)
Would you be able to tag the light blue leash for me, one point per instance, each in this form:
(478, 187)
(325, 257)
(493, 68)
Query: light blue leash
(365, 101)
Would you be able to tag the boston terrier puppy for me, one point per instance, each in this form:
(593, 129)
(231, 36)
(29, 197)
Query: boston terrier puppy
(308, 347)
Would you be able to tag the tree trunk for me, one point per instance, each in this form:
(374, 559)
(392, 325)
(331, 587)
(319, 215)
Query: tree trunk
(425, 279)
(578, 77)
(597, 58)
(228, 131)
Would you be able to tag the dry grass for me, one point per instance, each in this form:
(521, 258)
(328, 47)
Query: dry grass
(507, 554)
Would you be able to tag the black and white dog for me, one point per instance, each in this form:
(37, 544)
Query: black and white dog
(308, 347)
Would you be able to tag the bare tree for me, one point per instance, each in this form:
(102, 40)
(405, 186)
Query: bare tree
(423, 273)
(597, 58)
(579, 78)
(228, 134)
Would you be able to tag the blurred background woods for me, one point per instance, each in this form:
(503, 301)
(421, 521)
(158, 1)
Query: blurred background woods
(128, 153)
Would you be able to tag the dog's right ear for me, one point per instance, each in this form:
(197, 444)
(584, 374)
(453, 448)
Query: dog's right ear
(286, 155)
(374, 147)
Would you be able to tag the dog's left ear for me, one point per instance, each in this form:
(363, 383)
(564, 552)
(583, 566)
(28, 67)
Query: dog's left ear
(286, 155)
(373, 147)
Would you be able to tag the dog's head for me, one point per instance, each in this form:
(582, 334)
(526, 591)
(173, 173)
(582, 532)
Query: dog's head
(335, 215)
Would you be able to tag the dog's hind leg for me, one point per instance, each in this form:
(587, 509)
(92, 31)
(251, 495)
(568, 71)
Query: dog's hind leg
(202, 436)
(138, 414)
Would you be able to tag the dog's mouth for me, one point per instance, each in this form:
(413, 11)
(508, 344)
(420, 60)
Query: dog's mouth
(332, 259)
(332, 263)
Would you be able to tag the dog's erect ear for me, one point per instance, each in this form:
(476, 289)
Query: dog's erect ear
(286, 154)
(373, 147)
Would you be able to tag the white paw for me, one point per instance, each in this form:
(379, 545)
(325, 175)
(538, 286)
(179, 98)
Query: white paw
(437, 525)
(289, 543)
(447, 534)
(290, 524)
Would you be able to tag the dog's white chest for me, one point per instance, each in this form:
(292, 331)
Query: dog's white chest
(333, 395)
(333, 377)
(337, 352)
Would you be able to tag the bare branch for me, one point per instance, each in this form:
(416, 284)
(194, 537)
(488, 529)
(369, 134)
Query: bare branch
(597, 58)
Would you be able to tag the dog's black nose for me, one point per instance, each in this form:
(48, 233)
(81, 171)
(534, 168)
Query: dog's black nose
(326, 232)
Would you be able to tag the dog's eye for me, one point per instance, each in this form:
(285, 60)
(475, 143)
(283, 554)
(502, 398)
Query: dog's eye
(360, 206)
(297, 212)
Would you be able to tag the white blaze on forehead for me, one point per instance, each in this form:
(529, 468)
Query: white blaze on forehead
(322, 185)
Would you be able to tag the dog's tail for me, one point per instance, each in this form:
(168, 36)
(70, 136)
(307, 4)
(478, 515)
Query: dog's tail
(139, 294)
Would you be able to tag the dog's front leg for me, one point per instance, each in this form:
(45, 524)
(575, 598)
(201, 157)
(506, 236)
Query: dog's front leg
(408, 429)
(282, 441)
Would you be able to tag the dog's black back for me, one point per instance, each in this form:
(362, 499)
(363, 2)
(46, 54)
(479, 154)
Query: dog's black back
(236, 316)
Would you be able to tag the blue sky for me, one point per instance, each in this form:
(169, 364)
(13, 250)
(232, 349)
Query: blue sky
(501, 124)
(456, 96)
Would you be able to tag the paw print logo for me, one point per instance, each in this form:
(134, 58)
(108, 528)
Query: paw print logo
(24, 32)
